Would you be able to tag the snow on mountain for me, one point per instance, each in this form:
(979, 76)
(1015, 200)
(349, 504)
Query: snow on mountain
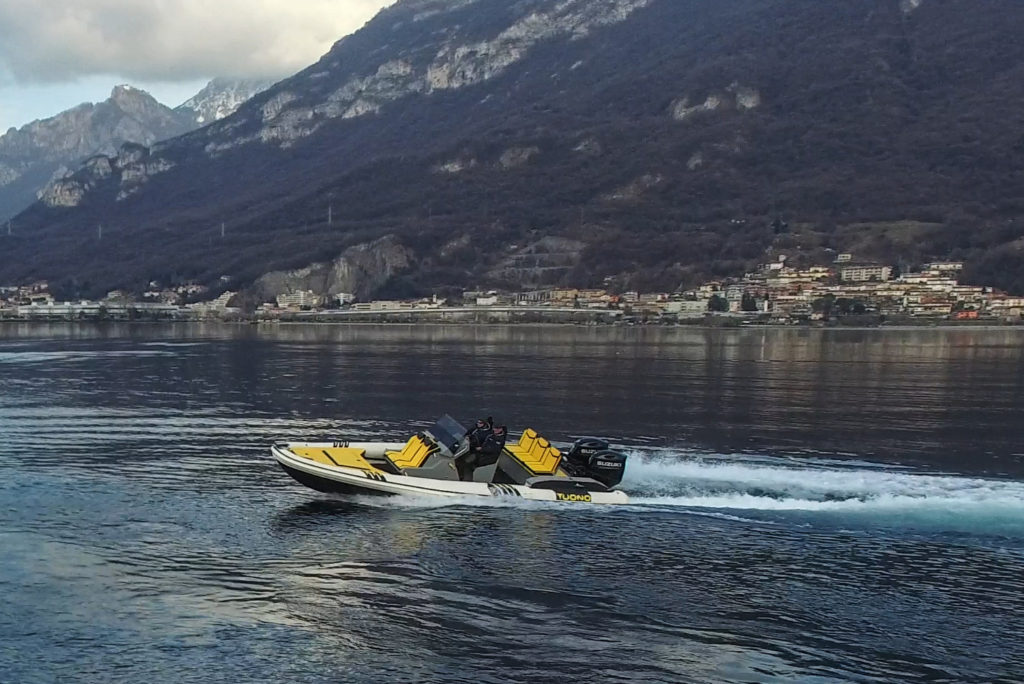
(220, 98)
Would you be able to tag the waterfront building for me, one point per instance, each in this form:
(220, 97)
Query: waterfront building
(687, 308)
(300, 299)
(39, 298)
(533, 297)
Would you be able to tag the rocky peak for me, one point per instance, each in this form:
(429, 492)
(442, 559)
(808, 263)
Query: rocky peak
(32, 155)
(220, 98)
(127, 92)
(136, 102)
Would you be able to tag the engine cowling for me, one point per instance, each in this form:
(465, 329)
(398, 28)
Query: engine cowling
(582, 449)
(591, 457)
(607, 467)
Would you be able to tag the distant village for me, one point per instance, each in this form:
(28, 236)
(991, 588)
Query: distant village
(773, 293)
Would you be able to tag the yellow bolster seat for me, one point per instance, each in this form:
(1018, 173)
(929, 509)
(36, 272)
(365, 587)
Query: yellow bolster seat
(412, 455)
(344, 457)
(528, 439)
(536, 453)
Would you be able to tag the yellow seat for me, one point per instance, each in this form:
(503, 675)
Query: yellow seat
(412, 455)
(342, 457)
(535, 453)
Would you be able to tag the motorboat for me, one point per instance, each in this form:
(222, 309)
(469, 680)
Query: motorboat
(530, 468)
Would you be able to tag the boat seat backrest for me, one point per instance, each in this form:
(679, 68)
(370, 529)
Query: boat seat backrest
(412, 455)
(528, 438)
(536, 454)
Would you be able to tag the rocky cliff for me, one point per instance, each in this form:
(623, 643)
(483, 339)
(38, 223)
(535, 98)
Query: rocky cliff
(44, 150)
(652, 142)
(37, 160)
(220, 98)
(361, 270)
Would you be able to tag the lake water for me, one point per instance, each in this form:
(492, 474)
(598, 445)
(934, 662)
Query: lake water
(809, 506)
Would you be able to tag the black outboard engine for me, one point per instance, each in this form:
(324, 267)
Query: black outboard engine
(577, 460)
(591, 457)
(607, 467)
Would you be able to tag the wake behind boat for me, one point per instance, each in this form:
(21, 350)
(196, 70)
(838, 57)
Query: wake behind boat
(427, 465)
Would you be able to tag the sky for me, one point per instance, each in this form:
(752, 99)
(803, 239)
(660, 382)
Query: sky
(55, 54)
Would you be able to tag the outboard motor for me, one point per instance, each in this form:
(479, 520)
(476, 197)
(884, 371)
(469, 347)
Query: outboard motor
(607, 467)
(577, 460)
(591, 457)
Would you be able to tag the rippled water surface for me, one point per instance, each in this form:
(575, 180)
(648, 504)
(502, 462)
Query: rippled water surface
(806, 507)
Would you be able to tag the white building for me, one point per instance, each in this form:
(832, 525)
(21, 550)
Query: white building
(302, 299)
(686, 307)
(860, 274)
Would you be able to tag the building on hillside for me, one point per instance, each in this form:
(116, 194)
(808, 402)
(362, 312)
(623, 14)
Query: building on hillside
(191, 290)
(533, 297)
(865, 273)
(946, 267)
(301, 299)
(39, 299)
(1006, 307)
(564, 296)
(339, 299)
(221, 302)
(734, 297)
(162, 296)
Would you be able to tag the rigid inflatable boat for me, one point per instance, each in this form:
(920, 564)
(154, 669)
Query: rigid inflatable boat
(531, 468)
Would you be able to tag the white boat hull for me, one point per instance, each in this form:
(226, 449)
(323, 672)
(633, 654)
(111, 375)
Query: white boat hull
(334, 478)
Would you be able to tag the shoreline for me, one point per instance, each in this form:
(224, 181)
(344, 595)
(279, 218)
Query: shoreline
(655, 325)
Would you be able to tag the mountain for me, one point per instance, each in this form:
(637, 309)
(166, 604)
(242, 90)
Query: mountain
(646, 143)
(43, 151)
(34, 154)
(220, 98)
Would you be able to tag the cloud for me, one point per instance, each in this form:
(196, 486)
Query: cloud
(170, 40)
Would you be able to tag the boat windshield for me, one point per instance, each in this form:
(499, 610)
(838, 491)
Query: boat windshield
(447, 431)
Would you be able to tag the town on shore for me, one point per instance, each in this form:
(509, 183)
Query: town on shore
(774, 293)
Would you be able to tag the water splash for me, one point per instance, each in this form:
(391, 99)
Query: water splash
(777, 486)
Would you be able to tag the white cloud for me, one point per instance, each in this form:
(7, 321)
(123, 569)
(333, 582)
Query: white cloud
(170, 40)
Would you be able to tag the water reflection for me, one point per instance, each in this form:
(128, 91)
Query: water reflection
(948, 396)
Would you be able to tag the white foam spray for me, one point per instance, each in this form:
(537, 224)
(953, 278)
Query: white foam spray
(737, 485)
